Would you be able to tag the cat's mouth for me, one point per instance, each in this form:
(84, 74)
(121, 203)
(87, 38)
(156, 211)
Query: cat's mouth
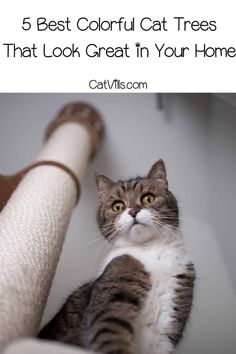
(137, 223)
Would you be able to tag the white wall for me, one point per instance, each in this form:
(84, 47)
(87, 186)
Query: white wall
(222, 163)
(194, 140)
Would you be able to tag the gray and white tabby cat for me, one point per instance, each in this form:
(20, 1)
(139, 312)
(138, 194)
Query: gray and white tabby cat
(141, 301)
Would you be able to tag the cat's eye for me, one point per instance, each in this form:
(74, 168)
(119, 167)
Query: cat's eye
(118, 206)
(147, 199)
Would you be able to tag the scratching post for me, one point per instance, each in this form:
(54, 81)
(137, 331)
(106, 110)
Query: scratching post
(36, 208)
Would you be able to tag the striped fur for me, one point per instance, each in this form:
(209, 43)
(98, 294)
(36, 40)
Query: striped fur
(102, 315)
(110, 320)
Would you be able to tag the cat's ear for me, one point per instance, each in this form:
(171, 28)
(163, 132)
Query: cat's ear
(158, 171)
(104, 185)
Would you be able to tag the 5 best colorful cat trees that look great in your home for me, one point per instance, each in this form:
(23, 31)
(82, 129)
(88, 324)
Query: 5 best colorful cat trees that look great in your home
(36, 205)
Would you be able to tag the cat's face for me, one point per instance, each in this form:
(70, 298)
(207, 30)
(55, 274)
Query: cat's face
(139, 209)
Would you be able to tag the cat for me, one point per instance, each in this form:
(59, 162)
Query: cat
(141, 301)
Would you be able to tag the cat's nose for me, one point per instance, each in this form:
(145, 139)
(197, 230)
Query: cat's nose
(134, 211)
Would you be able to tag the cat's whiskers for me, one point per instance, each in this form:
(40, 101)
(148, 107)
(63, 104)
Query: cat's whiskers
(158, 229)
(160, 226)
(99, 249)
(178, 217)
(161, 233)
(105, 236)
(101, 237)
(176, 235)
(91, 242)
(112, 233)
(94, 255)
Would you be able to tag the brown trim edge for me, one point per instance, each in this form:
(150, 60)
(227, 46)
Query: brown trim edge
(8, 184)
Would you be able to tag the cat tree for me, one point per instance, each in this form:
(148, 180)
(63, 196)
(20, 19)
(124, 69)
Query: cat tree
(36, 205)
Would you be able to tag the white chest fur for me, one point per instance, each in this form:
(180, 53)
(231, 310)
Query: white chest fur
(163, 261)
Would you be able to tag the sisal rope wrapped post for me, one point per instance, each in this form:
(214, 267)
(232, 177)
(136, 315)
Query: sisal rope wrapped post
(34, 220)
